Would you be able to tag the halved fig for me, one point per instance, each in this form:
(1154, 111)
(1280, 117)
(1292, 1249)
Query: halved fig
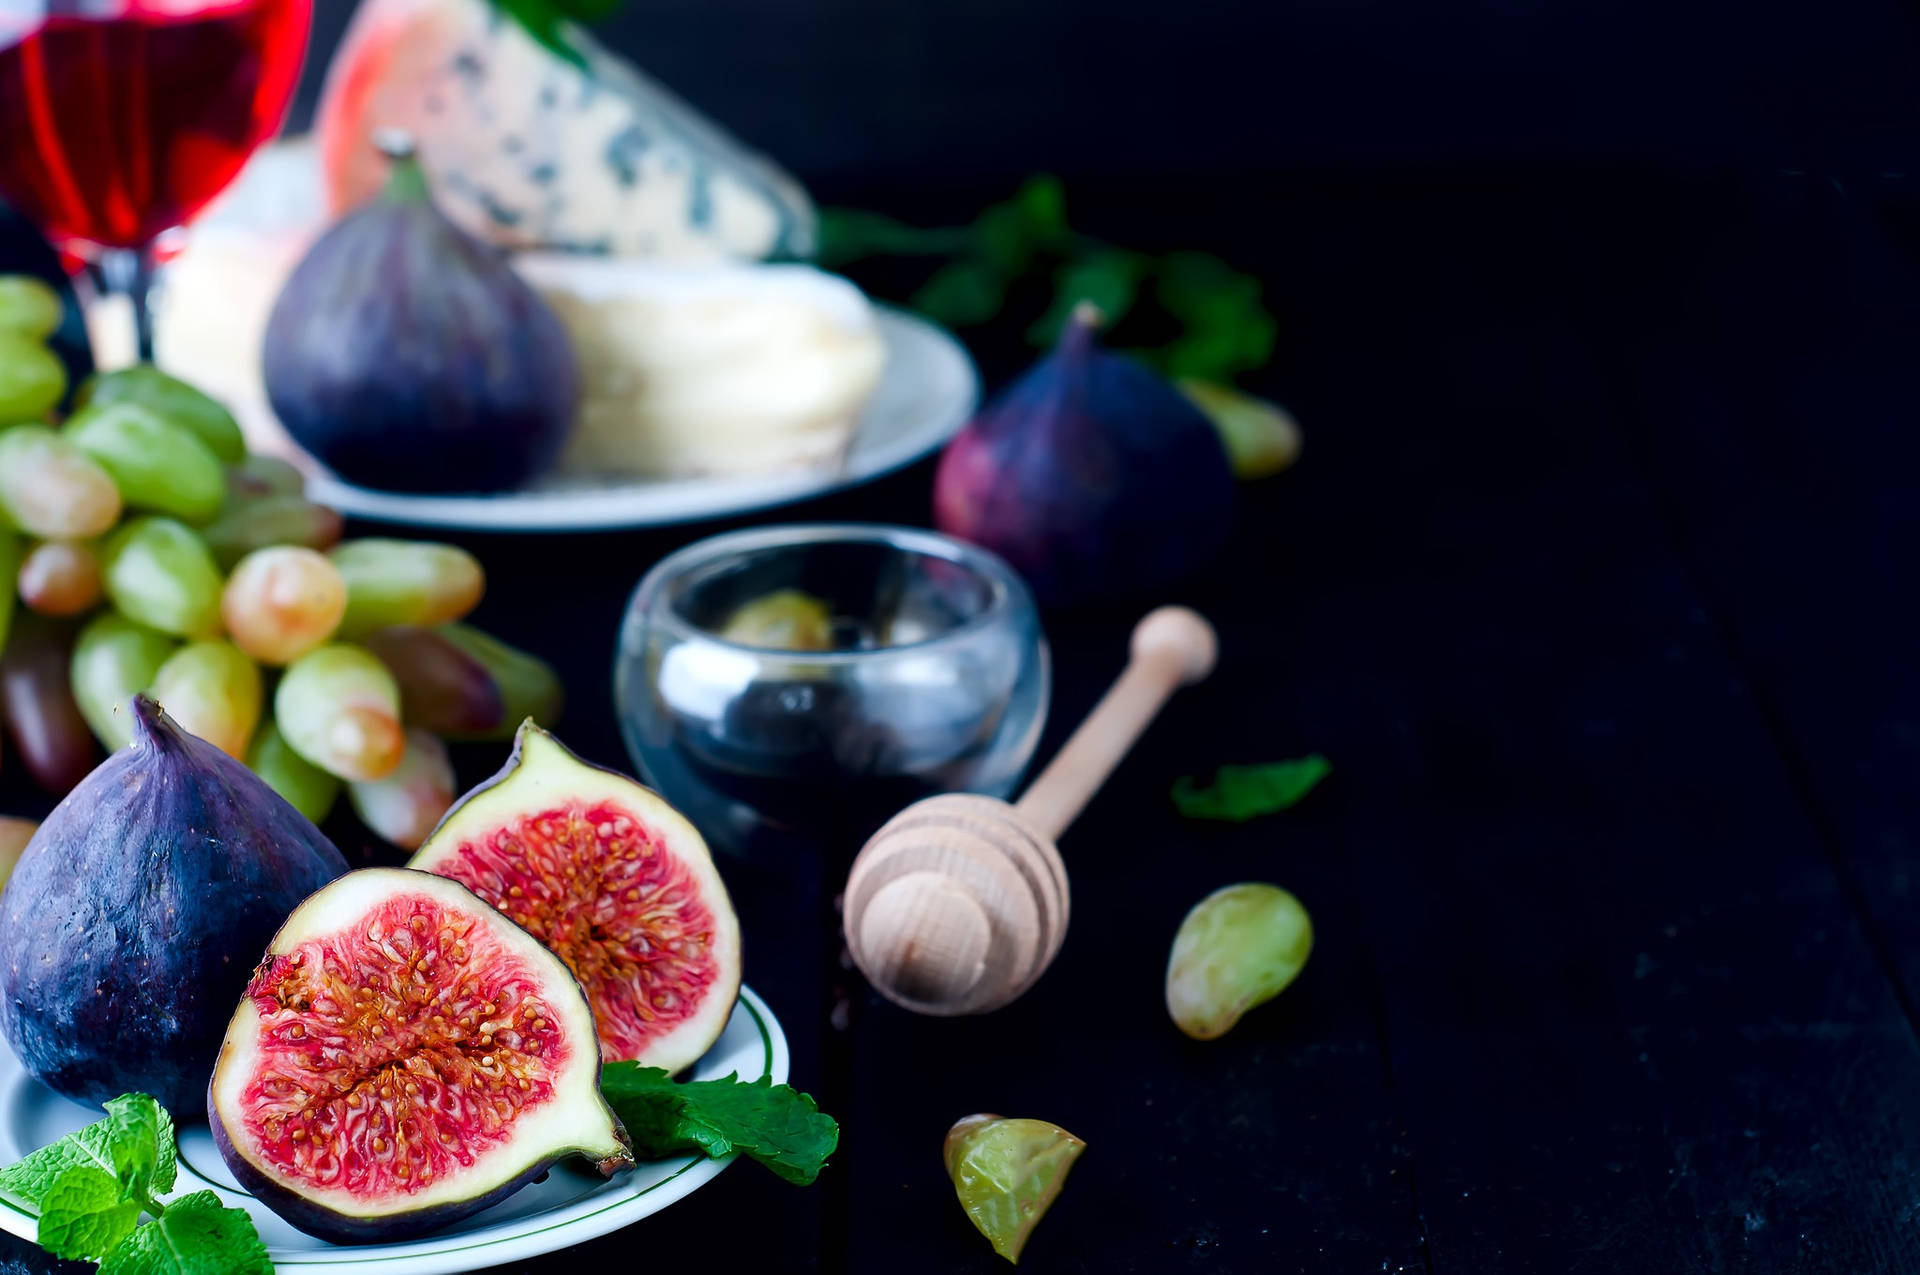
(405, 1057)
(615, 881)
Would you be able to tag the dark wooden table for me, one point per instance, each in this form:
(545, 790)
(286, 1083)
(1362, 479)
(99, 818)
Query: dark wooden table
(1597, 586)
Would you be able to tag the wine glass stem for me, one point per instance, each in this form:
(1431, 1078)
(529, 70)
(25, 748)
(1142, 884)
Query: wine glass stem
(129, 271)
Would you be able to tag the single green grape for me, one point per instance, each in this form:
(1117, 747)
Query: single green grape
(1239, 947)
(28, 306)
(339, 708)
(784, 620)
(159, 572)
(175, 401)
(33, 380)
(114, 659)
(405, 582)
(51, 489)
(257, 523)
(306, 787)
(256, 477)
(213, 691)
(157, 464)
(1008, 1173)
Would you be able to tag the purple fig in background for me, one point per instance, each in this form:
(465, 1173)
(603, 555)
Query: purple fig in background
(1091, 474)
(405, 354)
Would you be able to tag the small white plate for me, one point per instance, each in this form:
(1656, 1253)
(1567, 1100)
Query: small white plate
(569, 1208)
(926, 394)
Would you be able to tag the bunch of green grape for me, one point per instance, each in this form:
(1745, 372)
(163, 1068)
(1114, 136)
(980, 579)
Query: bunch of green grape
(143, 550)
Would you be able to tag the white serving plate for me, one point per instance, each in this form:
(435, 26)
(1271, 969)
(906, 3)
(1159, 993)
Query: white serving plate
(927, 391)
(569, 1208)
(926, 394)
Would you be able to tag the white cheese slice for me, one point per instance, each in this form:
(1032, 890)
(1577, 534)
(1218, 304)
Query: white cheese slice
(710, 371)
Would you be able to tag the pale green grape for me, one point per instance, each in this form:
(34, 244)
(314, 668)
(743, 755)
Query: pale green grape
(51, 489)
(405, 582)
(174, 400)
(28, 306)
(157, 464)
(306, 787)
(212, 690)
(115, 659)
(1239, 947)
(157, 571)
(282, 602)
(339, 708)
(32, 378)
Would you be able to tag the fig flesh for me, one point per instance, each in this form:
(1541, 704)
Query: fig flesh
(1091, 474)
(616, 882)
(130, 923)
(403, 1058)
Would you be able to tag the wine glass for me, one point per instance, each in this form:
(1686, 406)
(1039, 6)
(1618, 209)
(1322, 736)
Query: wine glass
(124, 118)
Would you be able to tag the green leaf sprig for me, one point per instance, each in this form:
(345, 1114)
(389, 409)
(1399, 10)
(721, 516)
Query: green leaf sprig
(91, 1189)
(1224, 326)
(546, 21)
(1240, 793)
(777, 1125)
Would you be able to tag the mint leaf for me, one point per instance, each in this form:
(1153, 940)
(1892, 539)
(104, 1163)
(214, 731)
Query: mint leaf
(26, 1182)
(849, 234)
(1110, 278)
(777, 1125)
(1240, 793)
(140, 1142)
(83, 1216)
(1042, 201)
(962, 293)
(197, 1235)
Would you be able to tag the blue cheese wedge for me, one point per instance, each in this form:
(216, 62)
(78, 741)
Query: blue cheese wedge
(528, 150)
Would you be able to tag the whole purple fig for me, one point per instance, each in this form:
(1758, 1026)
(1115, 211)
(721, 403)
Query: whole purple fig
(405, 354)
(1091, 474)
(138, 910)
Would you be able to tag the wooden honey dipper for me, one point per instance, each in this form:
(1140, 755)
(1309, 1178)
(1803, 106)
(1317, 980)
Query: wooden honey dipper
(960, 902)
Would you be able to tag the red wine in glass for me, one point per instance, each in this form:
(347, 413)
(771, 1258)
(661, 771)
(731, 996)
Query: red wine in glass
(121, 119)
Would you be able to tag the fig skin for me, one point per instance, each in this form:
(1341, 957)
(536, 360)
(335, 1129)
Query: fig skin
(1091, 474)
(602, 1137)
(340, 1228)
(137, 911)
(406, 355)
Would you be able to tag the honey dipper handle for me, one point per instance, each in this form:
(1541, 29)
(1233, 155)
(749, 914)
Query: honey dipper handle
(1172, 647)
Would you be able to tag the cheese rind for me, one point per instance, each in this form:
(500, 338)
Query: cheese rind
(528, 150)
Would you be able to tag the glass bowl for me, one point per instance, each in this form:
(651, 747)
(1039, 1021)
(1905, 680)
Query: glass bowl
(934, 678)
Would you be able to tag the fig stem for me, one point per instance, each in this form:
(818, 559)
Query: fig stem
(407, 182)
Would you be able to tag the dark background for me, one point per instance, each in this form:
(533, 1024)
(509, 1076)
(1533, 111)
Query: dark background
(1595, 582)
(859, 93)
